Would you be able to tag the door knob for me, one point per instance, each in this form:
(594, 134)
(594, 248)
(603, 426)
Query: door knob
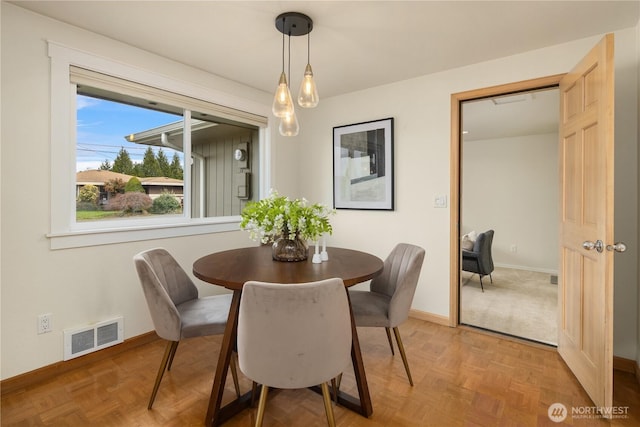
(618, 247)
(597, 245)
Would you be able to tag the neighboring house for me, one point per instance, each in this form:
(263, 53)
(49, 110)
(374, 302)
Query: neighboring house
(153, 186)
(156, 185)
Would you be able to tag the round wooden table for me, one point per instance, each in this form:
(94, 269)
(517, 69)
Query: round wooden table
(233, 268)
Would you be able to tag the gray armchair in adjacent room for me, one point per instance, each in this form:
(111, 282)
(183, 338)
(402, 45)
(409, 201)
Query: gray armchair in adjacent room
(479, 259)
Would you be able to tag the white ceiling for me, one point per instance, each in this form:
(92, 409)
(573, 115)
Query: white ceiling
(529, 113)
(354, 44)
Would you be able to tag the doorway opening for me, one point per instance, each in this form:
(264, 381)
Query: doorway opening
(506, 192)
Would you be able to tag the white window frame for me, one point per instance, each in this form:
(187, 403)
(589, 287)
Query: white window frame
(65, 232)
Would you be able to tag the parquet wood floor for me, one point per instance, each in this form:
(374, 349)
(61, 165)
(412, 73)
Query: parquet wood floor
(462, 378)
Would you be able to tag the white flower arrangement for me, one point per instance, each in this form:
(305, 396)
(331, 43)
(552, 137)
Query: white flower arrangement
(278, 216)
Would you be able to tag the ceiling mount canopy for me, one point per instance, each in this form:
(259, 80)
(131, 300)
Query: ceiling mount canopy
(294, 24)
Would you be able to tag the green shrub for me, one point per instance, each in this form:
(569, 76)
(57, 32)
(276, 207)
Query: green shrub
(130, 203)
(166, 203)
(88, 194)
(133, 186)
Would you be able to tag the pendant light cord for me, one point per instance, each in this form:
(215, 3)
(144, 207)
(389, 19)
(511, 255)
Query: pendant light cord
(289, 59)
(283, 45)
(309, 44)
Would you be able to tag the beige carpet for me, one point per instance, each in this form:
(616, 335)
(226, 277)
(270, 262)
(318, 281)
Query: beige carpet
(521, 303)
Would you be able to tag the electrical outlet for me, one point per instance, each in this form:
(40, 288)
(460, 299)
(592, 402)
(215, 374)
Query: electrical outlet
(45, 323)
(514, 248)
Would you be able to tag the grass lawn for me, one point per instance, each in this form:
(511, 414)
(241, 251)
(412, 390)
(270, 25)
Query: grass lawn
(98, 215)
(93, 215)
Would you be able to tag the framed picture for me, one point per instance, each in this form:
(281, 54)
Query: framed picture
(363, 165)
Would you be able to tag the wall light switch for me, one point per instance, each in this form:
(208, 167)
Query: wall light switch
(440, 201)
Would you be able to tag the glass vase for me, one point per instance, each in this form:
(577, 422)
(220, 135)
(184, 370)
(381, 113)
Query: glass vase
(289, 249)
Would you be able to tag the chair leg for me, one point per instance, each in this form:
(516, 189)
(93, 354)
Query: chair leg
(479, 274)
(172, 355)
(261, 404)
(169, 352)
(491, 277)
(396, 331)
(388, 331)
(234, 372)
(327, 405)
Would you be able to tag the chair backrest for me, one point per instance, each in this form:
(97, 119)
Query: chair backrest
(165, 285)
(483, 247)
(294, 335)
(399, 279)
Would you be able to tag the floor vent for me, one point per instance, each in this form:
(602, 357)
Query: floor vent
(81, 341)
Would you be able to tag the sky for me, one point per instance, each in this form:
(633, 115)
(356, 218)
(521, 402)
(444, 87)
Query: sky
(102, 126)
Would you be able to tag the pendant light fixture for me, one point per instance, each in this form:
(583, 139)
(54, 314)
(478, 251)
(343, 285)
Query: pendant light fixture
(282, 103)
(289, 125)
(308, 94)
(293, 24)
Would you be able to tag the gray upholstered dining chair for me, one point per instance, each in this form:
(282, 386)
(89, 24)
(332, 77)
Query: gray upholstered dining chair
(388, 301)
(293, 336)
(176, 310)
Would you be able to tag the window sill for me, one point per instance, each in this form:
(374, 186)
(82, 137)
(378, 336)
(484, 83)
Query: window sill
(97, 237)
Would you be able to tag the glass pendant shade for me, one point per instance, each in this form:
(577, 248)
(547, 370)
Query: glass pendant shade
(308, 95)
(289, 125)
(282, 102)
(293, 24)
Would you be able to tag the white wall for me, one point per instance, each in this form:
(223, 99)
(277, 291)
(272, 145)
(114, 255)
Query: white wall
(638, 206)
(78, 286)
(626, 271)
(1, 180)
(421, 108)
(89, 284)
(511, 185)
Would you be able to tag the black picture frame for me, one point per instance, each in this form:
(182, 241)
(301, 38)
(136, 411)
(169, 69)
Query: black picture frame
(363, 165)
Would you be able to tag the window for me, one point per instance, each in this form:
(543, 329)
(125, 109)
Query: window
(129, 158)
(148, 161)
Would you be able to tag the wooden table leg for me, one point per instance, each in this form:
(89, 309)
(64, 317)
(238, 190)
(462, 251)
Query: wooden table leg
(362, 404)
(216, 414)
(366, 408)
